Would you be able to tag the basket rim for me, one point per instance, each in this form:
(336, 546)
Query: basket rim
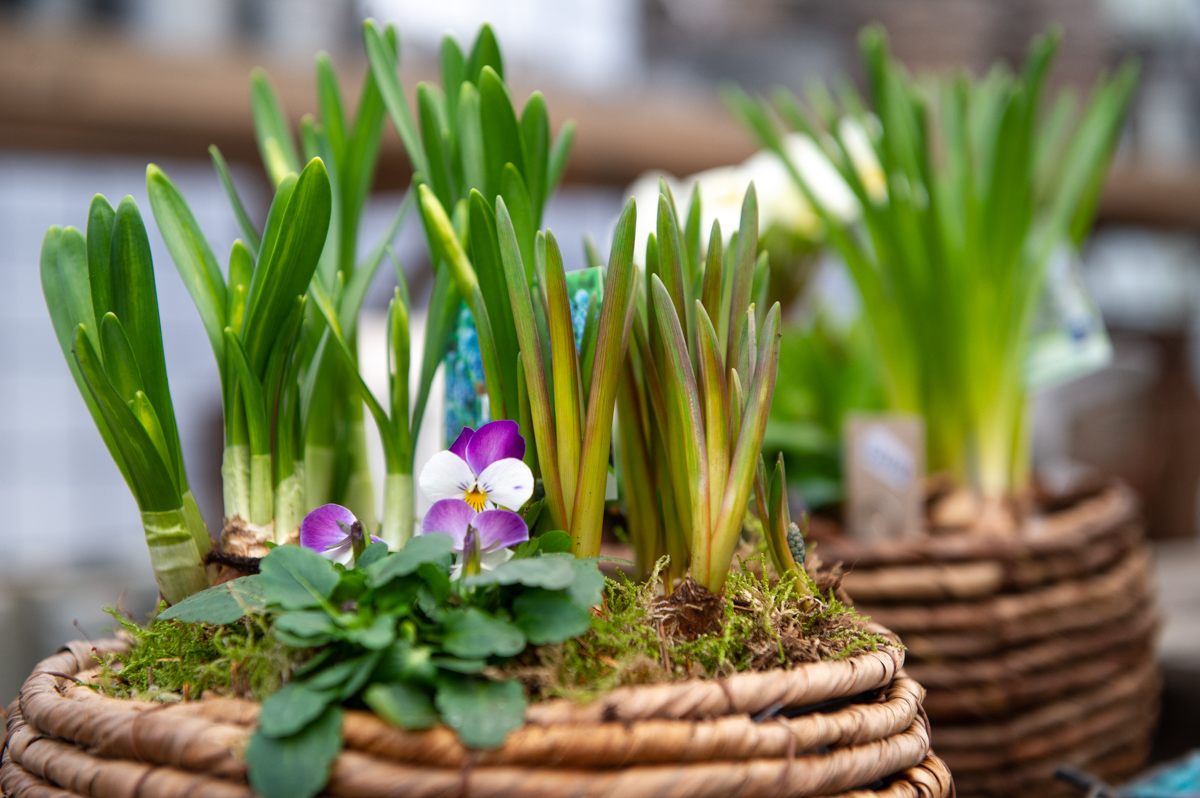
(1059, 531)
(81, 733)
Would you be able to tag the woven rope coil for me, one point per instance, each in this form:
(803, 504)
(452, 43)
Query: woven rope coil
(1066, 533)
(1035, 650)
(64, 740)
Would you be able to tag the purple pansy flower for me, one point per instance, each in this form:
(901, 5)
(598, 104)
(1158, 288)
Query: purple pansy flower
(482, 468)
(333, 532)
(483, 535)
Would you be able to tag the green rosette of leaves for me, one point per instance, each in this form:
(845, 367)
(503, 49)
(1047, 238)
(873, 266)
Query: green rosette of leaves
(397, 634)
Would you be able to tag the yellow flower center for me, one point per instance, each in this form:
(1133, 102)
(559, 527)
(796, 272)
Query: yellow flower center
(476, 497)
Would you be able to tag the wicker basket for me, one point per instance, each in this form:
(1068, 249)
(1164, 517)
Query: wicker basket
(1035, 651)
(695, 738)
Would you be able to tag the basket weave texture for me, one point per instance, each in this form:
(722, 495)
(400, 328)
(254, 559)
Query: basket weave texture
(1036, 651)
(696, 738)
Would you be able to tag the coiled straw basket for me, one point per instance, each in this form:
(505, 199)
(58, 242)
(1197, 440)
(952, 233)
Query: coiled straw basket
(1036, 651)
(864, 735)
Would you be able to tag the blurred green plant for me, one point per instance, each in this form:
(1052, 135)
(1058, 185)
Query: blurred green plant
(977, 186)
(831, 369)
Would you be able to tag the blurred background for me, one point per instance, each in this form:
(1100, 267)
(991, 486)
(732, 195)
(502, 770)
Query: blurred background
(91, 90)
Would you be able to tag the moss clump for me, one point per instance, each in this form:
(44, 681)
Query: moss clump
(639, 637)
(169, 660)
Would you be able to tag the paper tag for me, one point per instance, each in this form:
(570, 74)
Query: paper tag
(1068, 339)
(884, 456)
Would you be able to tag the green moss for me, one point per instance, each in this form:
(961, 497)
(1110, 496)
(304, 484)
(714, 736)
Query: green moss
(639, 637)
(170, 657)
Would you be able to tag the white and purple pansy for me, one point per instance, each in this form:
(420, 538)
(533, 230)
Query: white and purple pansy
(333, 532)
(481, 539)
(482, 468)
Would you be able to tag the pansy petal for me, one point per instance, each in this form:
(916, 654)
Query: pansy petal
(449, 517)
(507, 482)
(490, 560)
(319, 530)
(500, 529)
(459, 447)
(494, 441)
(446, 476)
(342, 553)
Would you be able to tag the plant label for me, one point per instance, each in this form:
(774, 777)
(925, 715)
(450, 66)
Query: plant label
(884, 456)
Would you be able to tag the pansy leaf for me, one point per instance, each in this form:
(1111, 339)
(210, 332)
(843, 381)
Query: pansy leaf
(482, 712)
(347, 677)
(550, 616)
(421, 549)
(295, 766)
(296, 578)
(436, 580)
(526, 550)
(402, 661)
(456, 665)
(222, 604)
(552, 572)
(587, 589)
(473, 634)
(555, 542)
(374, 553)
(379, 635)
(290, 709)
(402, 705)
(296, 641)
(306, 623)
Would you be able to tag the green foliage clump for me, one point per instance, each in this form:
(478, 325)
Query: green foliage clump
(169, 659)
(640, 637)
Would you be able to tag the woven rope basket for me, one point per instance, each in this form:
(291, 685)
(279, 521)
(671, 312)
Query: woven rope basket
(695, 738)
(1036, 651)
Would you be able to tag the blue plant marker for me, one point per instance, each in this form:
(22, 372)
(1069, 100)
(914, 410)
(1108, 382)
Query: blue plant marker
(466, 388)
(1178, 779)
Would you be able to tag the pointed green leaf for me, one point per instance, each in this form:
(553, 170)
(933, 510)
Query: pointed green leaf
(383, 60)
(287, 261)
(612, 338)
(239, 210)
(532, 363)
(485, 52)
(270, 124)
(99, 255)
(558, 156)
(521, 211)
(535, 145)
(135, 302)
(149, 476)
(119, 362)
(470, 141)
(501, 132)
(193, 257)
(485, 257)
(567, 384)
